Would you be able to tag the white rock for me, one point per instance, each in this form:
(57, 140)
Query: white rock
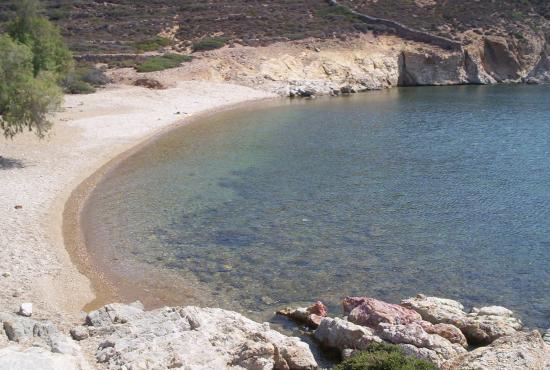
(415, 335)
(25, 310)
(342, 334)
(35, 358)
(522, 351)
(192, 338)
(495, 311)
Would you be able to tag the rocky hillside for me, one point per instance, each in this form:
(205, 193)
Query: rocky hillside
(117, 25)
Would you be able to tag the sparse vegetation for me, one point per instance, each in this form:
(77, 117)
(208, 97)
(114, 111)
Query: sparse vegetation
(209, 43)
(152, 44)
(384, 357)
(336, 12)
(84, 80)
(163, 62)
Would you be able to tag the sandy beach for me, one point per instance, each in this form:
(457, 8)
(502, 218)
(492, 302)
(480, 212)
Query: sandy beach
(39, 176)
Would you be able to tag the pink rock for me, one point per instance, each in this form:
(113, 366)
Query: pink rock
(318, 309)
(311, 315)
(447, 331)
(371, 312)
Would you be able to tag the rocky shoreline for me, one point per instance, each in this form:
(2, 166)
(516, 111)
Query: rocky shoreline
(119, 336)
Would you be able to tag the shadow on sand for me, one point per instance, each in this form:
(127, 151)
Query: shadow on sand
(10, 163)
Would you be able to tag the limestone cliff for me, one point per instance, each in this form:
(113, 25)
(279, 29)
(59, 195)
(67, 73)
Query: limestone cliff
(365, 62)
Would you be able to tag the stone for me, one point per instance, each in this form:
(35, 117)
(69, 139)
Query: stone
(342, 334)
(18, 358)
(436, 310)
(484, 329)
(79, 333)
(372, 312)
(311, 316)
(193, 337)
(494, 311)
(113, 314)
(415, 335)
(481, 327)
(447, 331)
(18, 329)
(25, 309)
(149, 83)
(6, 274)
(523, 350)
(422, 353)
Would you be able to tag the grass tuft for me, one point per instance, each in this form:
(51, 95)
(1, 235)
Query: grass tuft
(152, 44)
(384, 357)
(210, 43)
(162, 62)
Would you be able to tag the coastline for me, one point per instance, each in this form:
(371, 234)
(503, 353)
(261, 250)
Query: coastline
(105, 290)
(50, 179)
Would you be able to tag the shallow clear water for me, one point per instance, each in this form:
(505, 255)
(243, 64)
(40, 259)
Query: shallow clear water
(444, 191)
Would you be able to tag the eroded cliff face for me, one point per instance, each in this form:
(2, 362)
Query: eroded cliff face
(365, 62)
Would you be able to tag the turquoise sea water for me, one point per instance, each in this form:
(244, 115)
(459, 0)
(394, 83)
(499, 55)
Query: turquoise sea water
(444, 191)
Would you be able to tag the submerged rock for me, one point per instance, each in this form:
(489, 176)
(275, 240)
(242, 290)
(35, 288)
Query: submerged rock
(372, 312)
(520, 351)
(546, 337)
(191, 337)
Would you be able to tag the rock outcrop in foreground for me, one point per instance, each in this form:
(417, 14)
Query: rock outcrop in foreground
(126, 337)
(434, 329)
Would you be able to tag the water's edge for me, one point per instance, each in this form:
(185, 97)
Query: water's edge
(106, 290)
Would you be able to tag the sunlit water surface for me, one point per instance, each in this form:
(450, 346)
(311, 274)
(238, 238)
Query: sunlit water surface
(444, 191)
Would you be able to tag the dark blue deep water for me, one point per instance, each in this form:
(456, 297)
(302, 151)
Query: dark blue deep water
(443, 191)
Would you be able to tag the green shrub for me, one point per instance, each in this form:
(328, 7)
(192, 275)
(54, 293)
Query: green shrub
(73, 85)
(210, 43)
(92, 75)
(152, 45)
(163, 62)
(384, 357)
(84, 79)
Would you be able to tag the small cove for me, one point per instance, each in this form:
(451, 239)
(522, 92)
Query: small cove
(444, 191)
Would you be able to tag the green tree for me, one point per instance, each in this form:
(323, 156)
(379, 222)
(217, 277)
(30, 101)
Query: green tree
(34, 30)
(25, 99)
(33, 62)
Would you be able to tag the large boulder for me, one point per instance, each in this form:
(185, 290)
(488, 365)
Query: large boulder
(481, 327)
(521, 351)
(436, 310)
(413, 334)
(447, 331)
(372, 312)
(342, 334)
(191, 337)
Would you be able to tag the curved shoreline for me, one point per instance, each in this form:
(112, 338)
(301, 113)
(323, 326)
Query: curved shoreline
(91, 131)
(104, 288)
